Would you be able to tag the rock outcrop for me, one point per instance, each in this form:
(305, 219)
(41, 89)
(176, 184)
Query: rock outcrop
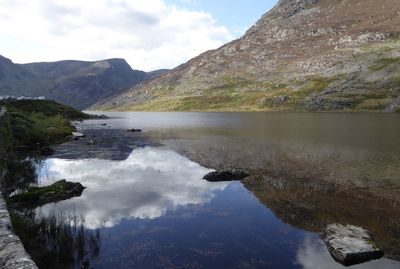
(226, 175)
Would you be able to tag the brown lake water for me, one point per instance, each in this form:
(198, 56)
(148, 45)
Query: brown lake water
(147, 206)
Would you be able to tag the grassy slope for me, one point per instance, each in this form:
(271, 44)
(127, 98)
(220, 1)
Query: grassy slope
(364, 95)
(249, 96)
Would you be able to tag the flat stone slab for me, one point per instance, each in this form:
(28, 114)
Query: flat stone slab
(350, 244)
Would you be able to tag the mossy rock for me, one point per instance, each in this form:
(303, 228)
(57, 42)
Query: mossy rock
(37, 196)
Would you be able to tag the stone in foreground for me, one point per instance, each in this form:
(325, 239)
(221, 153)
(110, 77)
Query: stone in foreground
(350, 244)
(227, 175)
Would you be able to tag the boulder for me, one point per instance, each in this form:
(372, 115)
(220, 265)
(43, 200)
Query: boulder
(350, 244)
(37, 196)
(226, 175)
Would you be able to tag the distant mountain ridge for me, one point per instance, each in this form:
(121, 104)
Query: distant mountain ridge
(79, 84)
(303, 55)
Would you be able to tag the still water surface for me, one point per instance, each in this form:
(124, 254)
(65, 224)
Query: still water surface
(146, 196)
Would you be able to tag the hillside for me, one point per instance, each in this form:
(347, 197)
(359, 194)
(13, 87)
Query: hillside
(75, 83)
(303, 55)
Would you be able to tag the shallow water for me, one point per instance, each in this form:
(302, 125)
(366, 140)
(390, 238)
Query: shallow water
(146, 196)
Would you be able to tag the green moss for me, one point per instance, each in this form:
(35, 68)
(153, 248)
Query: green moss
(38, 195)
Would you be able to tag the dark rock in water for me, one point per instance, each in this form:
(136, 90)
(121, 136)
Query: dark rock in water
(350, 244)
(58, 191)
(134, 130)
(104, 124)
(227, 175)
(102, 116)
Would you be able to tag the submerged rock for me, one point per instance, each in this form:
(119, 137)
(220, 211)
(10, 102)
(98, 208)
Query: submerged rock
(58, 191)
(102, 117)
(350, 244)
(134, 130)
(226, 175)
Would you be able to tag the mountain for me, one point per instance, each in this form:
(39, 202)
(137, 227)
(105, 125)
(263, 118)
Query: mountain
(76, 83)
(303, 55)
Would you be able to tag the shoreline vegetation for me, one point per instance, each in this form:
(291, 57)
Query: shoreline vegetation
(28, 129)
(37, 124)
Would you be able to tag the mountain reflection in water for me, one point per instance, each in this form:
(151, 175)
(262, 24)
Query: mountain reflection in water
(145, 185)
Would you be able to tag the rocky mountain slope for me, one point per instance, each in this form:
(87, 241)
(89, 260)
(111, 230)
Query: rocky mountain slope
(303, 55)
(75, 83)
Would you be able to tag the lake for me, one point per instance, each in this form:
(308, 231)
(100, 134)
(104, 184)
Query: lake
(146, 205)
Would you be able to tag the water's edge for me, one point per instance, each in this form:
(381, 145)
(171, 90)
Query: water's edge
(12, 252)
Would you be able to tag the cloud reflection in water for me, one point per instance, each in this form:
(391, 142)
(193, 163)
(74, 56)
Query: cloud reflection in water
(145, 186)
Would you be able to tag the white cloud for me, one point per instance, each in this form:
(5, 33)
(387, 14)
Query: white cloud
(148, 34)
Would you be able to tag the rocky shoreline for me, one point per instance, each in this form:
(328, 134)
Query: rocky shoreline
(12, 252)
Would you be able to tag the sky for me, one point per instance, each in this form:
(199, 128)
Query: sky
(149, 34)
